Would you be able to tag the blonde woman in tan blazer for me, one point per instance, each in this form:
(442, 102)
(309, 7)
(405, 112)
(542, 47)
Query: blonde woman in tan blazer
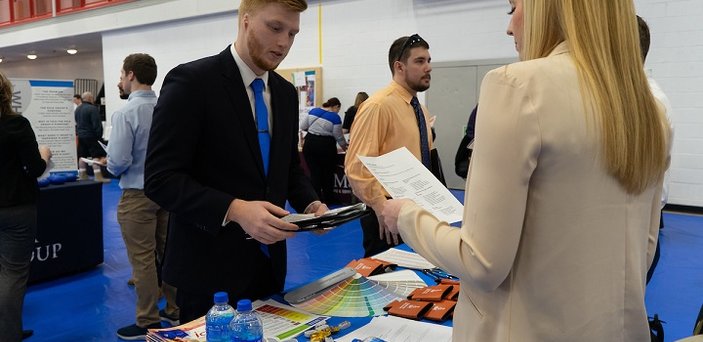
(562, 203)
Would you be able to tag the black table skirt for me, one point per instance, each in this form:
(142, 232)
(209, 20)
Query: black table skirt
(69, 230)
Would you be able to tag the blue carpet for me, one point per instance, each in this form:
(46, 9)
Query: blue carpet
(92, 305)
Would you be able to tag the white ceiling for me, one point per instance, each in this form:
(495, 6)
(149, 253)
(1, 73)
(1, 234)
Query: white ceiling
(86, 43)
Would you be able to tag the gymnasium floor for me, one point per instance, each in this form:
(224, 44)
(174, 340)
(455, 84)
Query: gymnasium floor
(91, 306)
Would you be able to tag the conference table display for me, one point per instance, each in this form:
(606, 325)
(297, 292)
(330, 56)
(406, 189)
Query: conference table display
(69, 230)
(358, 296)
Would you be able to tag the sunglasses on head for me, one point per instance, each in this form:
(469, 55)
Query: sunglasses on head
(412, 40)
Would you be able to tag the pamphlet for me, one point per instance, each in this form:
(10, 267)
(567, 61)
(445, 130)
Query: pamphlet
(403, 176)
(281, 322)
(390, 328)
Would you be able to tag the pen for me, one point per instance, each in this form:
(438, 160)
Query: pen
(443, 274)
(437, 274)
(434, 277)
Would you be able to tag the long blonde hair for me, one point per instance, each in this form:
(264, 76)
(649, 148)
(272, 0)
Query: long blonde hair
(603, 40)
(360, 97)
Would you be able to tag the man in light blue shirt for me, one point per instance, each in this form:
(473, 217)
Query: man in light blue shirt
(143, 223)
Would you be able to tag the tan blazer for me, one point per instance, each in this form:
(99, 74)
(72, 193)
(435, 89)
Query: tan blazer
(551, 248)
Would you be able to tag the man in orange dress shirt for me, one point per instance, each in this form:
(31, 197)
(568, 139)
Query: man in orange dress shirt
(385, 122)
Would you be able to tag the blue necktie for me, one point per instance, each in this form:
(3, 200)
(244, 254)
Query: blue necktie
(422, 125)
(262, 121)
(262, 128)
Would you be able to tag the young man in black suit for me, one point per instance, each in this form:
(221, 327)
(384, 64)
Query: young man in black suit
(221, 172)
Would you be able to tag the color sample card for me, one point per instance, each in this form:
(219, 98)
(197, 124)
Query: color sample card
(402, 283)
(354, 297)
(284, 322)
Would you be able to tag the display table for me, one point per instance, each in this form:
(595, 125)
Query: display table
(69, 230)
(356, 322)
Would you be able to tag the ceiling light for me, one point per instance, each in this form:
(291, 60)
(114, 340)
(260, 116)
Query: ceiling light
(31, 56)
(72, 51)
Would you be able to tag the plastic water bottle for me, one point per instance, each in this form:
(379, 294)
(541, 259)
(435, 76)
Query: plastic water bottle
(218, 318)
(246, 325)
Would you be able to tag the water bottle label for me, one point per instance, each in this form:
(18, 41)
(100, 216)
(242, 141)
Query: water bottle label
(252, 339)
(218, 333)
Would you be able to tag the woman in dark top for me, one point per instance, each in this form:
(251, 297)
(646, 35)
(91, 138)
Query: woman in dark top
(324, 127)
(351, 112)
(21, 162)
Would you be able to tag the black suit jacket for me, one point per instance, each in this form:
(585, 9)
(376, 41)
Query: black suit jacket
(20, 162)
(203, 153)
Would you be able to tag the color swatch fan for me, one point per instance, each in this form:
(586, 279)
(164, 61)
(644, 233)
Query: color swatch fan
(402, 283)
(356, 296)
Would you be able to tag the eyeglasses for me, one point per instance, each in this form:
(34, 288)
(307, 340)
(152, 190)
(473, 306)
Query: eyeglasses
(412, 40)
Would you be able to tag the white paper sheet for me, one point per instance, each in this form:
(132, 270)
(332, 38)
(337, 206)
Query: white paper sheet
(299, 78)
(403, 176)
(404, 259)
(396, 329)
(92, 161)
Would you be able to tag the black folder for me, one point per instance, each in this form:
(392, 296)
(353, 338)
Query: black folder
(331, 218)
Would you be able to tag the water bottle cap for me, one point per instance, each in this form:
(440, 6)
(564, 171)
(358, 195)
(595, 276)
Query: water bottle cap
(244, 305)
(221, 297)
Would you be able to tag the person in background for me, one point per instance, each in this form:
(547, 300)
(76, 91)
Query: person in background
(21, 162)
(76, 101)
(89, 129)
(324, 127)
(643, 30)
(351, 111)
(390, 119)
(463, 152)
(225, 169)
(123, 95)
(563, 196)
(142, 222)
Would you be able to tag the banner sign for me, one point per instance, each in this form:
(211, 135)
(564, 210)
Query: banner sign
(48, 107)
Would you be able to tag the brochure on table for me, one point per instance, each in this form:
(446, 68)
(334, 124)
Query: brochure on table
(281, 322)
(390, 328)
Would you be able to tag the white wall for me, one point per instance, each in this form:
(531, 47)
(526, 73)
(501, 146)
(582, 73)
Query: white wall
(676, 61)
(170, 44)
(356, 35)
